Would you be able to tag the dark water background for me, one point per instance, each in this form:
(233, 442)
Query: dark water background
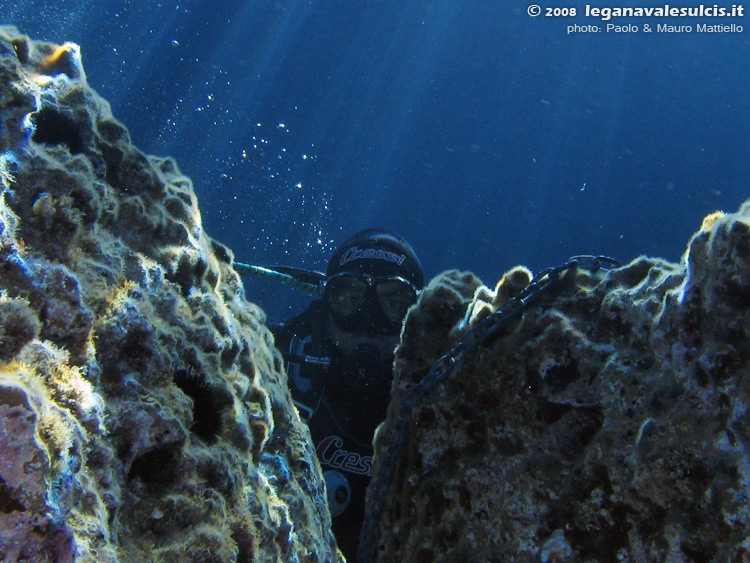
(486, 137)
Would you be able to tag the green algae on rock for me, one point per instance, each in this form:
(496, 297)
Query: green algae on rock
(110, 293)
(609, 423)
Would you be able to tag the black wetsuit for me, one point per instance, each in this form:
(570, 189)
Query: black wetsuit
(342, 403)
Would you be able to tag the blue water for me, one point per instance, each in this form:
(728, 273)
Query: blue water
(486, 137)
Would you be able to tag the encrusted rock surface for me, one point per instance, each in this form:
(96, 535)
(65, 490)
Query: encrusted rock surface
(144, 413)
(609, 423)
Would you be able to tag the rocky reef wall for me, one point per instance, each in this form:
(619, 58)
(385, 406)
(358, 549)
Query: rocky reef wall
(144, 413)
(609, 422)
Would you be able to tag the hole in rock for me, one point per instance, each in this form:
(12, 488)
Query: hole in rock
(208, 402)
(54, 128)
(156, 467)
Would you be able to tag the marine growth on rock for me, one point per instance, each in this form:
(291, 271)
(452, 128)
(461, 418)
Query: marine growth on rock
(609, 423)
(144, 412)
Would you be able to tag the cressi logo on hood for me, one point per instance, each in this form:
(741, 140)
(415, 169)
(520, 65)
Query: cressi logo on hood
(355, 253)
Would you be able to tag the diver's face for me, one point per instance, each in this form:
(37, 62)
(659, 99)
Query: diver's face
(369, 304)
(348, 342)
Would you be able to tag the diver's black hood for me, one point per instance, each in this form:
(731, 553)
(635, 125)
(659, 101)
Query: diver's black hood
(377, 252)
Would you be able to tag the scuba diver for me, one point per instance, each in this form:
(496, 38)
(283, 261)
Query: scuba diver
(339, 355)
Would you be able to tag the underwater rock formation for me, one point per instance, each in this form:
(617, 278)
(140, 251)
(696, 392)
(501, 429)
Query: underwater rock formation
(609, 422)
(144, 412)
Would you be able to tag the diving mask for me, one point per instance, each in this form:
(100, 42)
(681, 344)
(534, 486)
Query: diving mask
(369, 304)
